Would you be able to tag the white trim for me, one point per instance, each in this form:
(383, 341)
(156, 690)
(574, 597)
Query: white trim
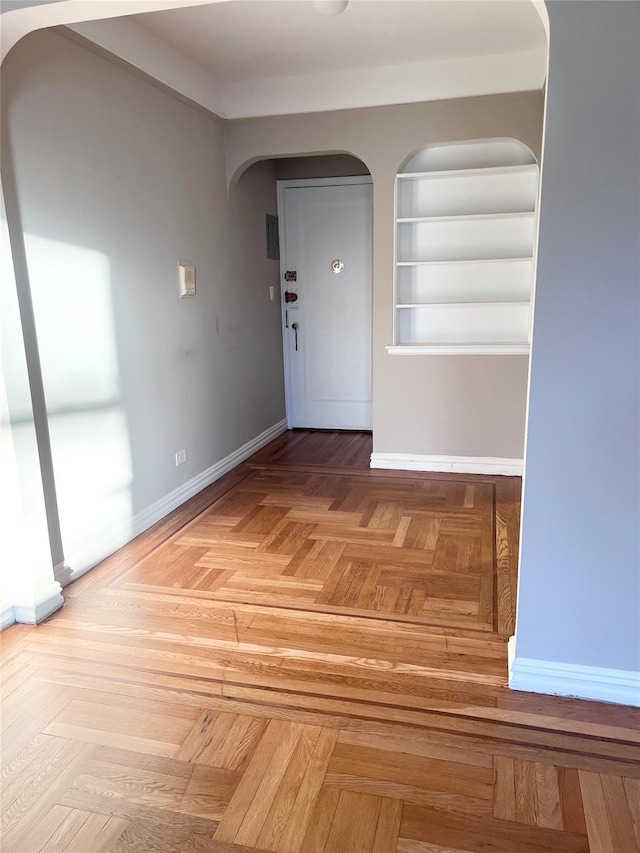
(466, 217)
(84, 560)
(412, 82)
(454, 262)
(281, 186)
(458, 349)
(20, 22)
(511, 651)
(34, 614)
(466, 173)
(7, 617)
(583, 682)
(137, 45)
(345, 181)
(455, 305)
(452, 464)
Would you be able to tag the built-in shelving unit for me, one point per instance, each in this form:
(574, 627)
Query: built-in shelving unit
(465, 237)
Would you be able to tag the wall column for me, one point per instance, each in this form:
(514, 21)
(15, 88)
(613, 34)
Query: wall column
(578, 624)
(30, 592)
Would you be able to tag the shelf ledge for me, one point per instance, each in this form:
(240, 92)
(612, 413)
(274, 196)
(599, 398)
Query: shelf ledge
(455, 262)
(469, 173)
(494, 303)
(466, 217)
(458, 349)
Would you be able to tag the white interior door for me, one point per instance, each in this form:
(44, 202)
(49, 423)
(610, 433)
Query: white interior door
(327, 248)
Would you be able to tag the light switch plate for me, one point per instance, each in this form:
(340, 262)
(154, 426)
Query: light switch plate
(187, 278)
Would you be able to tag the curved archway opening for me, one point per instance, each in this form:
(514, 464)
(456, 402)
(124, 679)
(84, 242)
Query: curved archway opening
(469, 154)
(322, 164)
(322, 207)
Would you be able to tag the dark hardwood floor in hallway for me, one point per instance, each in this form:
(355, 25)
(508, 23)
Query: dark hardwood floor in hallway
(308, 656)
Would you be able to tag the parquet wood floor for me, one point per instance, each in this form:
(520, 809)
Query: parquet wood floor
(308, 657)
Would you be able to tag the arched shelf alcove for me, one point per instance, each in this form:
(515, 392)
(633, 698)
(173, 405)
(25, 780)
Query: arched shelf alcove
(464, 249)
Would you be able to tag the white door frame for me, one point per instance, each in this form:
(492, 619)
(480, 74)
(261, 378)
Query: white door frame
(281, 187)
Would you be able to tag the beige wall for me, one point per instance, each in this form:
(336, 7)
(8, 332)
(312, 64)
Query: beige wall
(323, 166)
(115, 180)
(451, 405)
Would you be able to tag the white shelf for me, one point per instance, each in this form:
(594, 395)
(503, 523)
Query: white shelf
(458, 349)
(463, 323)
(462, 304)
(469, 238)
(478, 193)
(467, 173)
(464, 248)
(463, 261)
(466, 217)
(486, 282)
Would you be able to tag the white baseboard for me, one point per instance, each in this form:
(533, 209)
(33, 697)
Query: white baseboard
(451, 464)
(620, 686)
(511, 651)
(83, 560)
(34, 614)
(7, 617)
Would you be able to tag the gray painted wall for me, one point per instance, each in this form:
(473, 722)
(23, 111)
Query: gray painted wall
(579, 598)
(117, 180)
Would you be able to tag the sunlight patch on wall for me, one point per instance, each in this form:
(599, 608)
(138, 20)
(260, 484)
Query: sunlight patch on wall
(72, 300)
(25, 558)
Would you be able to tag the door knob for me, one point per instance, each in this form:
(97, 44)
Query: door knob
(294, 326)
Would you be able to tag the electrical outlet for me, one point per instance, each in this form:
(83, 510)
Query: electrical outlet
(181, 456)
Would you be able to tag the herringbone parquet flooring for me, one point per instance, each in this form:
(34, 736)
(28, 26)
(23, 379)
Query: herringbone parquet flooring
(309, 657)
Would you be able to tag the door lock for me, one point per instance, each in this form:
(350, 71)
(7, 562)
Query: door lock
(289, 296)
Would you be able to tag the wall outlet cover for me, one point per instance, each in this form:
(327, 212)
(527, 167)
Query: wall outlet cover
(187, 275)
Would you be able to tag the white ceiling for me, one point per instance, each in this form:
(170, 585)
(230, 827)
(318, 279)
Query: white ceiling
(246, 58)
(251, 39)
